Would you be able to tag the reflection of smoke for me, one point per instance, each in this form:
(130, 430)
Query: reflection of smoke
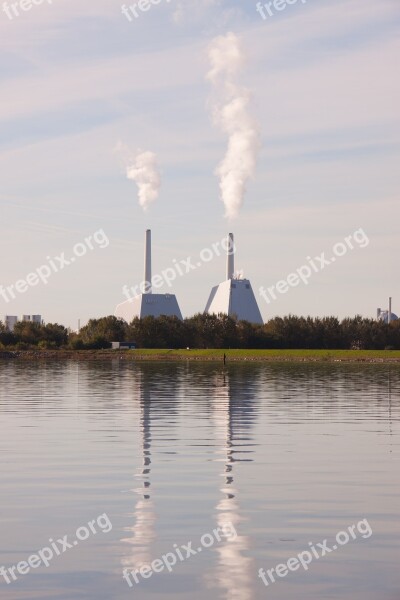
(234, 572)
(231, 114)
(143, 531)
(143, 169)
(143, 536)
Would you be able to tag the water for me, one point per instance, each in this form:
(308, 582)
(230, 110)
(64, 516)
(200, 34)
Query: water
(167, 452)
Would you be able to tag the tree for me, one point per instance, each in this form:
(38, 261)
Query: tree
(28, 332)
(99, 333)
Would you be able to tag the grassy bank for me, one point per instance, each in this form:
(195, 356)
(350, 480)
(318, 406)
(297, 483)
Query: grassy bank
(362, 356)
(272, 355)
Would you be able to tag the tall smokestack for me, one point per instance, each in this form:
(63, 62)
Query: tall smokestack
(230, 261)
(147, 263)
(390, 311)
(378, 313)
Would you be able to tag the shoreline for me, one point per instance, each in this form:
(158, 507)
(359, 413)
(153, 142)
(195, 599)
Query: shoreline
(288, 356)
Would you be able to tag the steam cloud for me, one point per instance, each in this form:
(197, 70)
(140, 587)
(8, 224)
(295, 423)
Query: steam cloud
(144, 171)
(231, 113)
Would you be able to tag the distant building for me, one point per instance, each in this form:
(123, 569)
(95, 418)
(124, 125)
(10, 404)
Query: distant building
(383, 315)
(33, 318)
(387, 316)
(10, 321)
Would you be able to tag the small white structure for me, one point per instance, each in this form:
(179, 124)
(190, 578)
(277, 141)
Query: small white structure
(148, 304)
(10, 321)
(123, 345)
(235, 296)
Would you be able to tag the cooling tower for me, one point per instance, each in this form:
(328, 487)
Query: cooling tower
(148, 304)
(235, 296)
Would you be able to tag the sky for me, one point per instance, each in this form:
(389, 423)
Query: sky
(79, 81)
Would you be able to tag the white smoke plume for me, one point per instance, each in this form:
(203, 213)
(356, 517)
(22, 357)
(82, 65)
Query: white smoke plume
(143, 169)
(232, 114)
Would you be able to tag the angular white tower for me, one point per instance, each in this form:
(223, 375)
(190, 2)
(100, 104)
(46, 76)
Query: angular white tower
(148, 304)
(234, 297)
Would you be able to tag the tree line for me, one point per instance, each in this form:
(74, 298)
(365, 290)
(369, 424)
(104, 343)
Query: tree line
(209, 331)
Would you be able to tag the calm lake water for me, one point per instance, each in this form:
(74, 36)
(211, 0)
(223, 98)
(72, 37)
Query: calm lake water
(168, 452)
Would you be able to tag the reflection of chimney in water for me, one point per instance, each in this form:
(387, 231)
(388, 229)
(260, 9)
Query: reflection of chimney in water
(233, 571)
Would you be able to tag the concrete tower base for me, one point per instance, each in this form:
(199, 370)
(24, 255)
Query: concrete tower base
(235, 298)
(149, 305)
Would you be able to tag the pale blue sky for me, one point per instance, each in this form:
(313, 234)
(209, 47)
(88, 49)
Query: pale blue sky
(77, 78)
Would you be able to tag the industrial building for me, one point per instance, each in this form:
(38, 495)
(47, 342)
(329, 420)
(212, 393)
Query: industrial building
(235, 296)
(33, 318)
(10, 320)
(387, 316)
(148, 304)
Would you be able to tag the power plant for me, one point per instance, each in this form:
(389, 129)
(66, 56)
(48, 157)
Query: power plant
(234, 297)
(387, 316)
(11, 320)
(148, 304)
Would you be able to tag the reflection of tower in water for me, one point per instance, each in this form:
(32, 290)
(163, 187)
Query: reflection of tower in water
(390, 409)
(143, 531)
(234, 572)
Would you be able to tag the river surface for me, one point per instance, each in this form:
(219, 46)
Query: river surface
(274, 458)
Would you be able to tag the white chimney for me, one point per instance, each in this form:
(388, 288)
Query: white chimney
(230, 260)
(390, 311)
(147, 263)
(378, 313)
